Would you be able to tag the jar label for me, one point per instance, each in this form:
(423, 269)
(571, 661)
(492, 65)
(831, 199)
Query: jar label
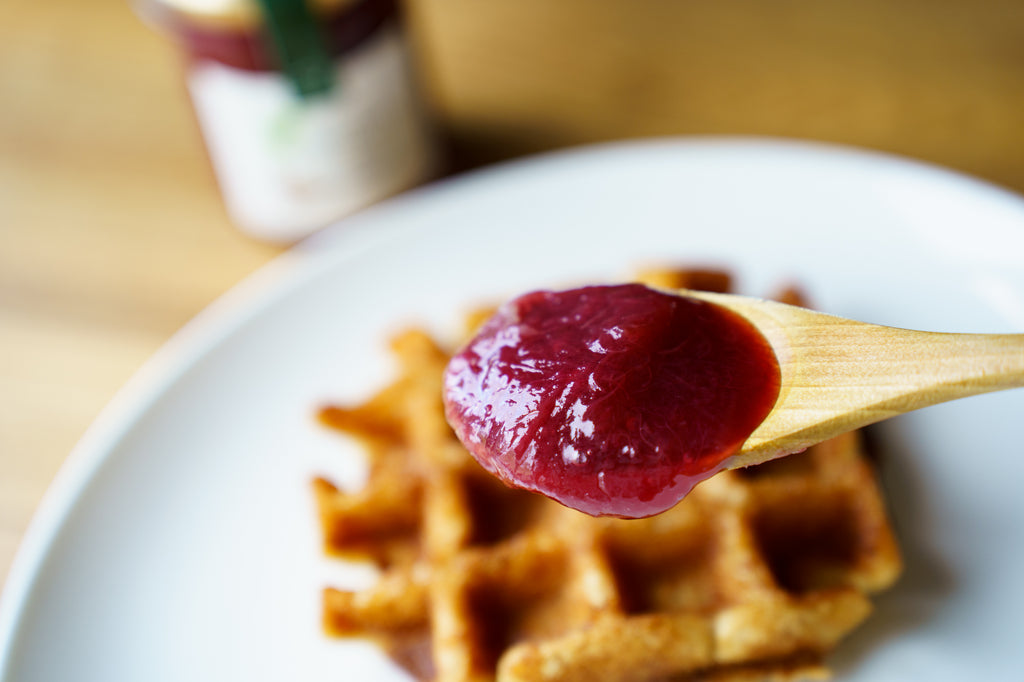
(288, 165)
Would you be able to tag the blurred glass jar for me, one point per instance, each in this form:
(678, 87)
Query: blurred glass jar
(309, 108)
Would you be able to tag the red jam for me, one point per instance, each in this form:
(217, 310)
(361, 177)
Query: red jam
(613, 400)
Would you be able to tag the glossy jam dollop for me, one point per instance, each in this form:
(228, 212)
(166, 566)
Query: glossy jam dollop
(613, 400)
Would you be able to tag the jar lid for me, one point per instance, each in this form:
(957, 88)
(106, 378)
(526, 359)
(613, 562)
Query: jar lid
(234, 13)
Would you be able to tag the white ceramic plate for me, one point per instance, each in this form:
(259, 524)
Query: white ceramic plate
(180, 542)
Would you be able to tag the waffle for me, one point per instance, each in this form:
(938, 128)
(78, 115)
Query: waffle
(756, 575)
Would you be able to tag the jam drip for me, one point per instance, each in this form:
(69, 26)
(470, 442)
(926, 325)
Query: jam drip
(613, 400)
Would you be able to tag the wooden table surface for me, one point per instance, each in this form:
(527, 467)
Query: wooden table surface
(112, 234)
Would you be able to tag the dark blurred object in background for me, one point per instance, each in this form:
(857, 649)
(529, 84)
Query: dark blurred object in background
(940, 80)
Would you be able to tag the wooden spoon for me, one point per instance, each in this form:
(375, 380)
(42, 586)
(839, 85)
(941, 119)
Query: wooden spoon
(839, 374)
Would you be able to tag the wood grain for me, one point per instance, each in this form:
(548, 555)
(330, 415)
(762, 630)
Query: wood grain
(941, 80)
(112, 234)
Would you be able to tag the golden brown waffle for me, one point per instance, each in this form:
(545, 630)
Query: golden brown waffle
(754, 576)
